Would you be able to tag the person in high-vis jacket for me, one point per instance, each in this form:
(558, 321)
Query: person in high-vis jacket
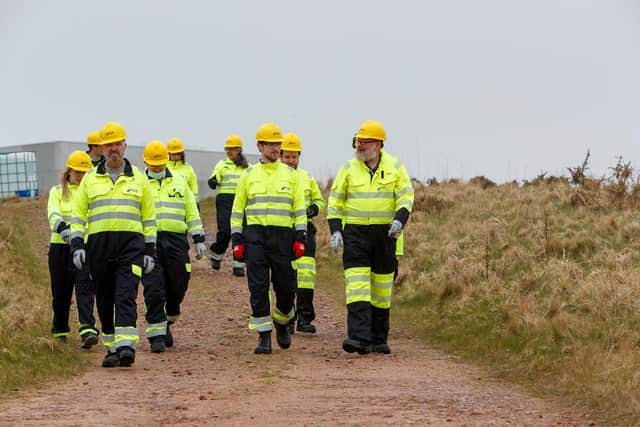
(95, 149)
(305, 266)
(179, 166)
(369, 205)
(270, 198)
(64, 276)
(224, 177)
(176, 214)
(114, 206)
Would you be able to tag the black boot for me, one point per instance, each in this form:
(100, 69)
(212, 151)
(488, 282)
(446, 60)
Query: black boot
(157, 344)
(215, 264)
(168, 338)
(351, 346)
(264, 343)
(88, 340)
(305, 326)
(110, 360)
(283, 337)
(127, 356)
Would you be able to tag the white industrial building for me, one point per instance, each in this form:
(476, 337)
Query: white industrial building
(50, 158)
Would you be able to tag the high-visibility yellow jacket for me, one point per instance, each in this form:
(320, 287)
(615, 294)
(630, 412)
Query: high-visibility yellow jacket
(176, 209)
(227, 174)
(59, 210)
(126, 205)
(178, 167)
(312, 194)
(269, 194)
(357, 197)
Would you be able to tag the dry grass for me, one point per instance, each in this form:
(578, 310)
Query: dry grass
(545, 290)
(28, 354)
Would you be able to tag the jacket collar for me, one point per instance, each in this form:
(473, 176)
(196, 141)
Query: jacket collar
(102, 167)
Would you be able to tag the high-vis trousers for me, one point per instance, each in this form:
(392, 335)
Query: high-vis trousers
(64, 276)
(369, 263)
(115, 260)
(306, 277)
(269, 255)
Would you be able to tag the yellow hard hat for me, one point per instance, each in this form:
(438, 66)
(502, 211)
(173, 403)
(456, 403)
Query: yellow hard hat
(233, 141)
(269, 132)
(93, 138)
(155, 154)
(79, 161)
(112, 132)
(372, 130)
(291, 142)
(175, 146)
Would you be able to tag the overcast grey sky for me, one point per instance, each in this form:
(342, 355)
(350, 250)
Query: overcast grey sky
(501, 88)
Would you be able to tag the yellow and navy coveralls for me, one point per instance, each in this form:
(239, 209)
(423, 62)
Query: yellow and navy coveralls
(270, 196)
(179, 167)
(176, 214)
(120, 224)
(226, 174)
(306, 265)
(362, 204)
(63, 273)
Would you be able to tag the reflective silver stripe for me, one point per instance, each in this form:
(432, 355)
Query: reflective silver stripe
(305, 266)
(114, 202)
(126, 331)
(306, 279)
(114, 215)
(300, 212)
(382, 285)
(54, 214)
(268, 211)
(194, 223)
(197, 233)
(371, 195)
(269, 199)
(126, 343)
(355, 292)
(404, 191)
(149, 239)
(336, 195)
(57, 224)
(261, 324)
(229, 176)
(236, 230)
(75, 234)
(166, 215)
(76, 220)
(302, 227)
(378, 298)
(149, 223)
(229, 184)
(237, 215)
(172, 205)
(358, 278)
(334, 211)
(368, 214)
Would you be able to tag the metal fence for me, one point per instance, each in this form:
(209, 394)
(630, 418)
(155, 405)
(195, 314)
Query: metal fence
(18, 175)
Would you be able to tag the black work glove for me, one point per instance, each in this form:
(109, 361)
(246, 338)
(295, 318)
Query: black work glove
(213, 182)
(312, 211)
(301, 236)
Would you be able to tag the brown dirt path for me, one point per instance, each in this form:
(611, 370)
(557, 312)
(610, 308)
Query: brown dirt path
(212, 377)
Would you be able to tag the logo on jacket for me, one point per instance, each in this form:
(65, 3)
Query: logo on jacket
(285, 188)
(176, 192)
(131, 190)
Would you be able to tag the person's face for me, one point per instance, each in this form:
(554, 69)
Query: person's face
(270, 150)
(114, 152)
(75, 176)
(96, 150)
(232, 153)
(291, 158)
(367, 149)
(157, 168)
(175, 157)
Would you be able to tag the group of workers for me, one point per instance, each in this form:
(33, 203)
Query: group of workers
(114, 226)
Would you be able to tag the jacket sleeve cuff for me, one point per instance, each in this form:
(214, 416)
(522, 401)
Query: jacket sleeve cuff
(198, 238)
(402, 215)
(237, 239)
(301, 236)
(62, 226)
(150, 249)
(76, 243)
(335, 225)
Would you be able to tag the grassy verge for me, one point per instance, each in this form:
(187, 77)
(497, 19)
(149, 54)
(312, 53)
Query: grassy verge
(29, 356)
(544, 290)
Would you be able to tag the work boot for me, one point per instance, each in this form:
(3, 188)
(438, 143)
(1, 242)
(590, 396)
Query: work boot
(291, 326)
(168, 338)
(305, 326)
(88, 340)
(352, 346)
(381, 348)
(264, 343)
(238, 271)
(215, 263)
(111, 360)
(283, 337)
(157, 344)
(127, 356)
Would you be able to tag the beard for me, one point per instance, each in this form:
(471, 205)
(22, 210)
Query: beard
(366, 155)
